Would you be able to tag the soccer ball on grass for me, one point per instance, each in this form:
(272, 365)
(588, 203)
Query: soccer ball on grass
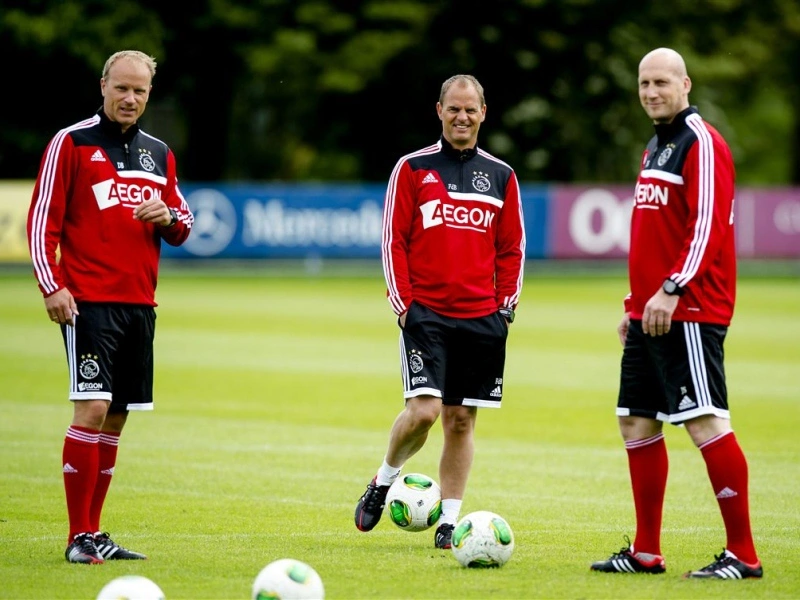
(414, 502)
(288, 579)
(482, 539)
(131, 587)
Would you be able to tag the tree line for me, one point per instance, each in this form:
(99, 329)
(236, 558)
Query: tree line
(323, 90)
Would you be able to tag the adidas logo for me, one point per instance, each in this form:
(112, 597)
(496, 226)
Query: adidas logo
(98, 156)
(686, 403)
(496, 392)
(726, 492)
(108, 472)
(68, 468)
(429, 178)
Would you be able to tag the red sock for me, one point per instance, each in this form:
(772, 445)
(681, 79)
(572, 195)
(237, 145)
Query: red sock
(648, 464)
(79, 459)
(107, 451)
(727, 470)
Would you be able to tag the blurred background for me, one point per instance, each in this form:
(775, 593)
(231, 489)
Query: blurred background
(287, 116)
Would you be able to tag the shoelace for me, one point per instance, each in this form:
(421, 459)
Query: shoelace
(372, 497)
(86, 544)
(722, 560)
(624, 551)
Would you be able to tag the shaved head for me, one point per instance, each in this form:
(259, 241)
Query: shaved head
(667, 59)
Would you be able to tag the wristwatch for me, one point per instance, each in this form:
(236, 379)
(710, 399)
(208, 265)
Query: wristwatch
(173, 218)
(671, 288)
(508, 313)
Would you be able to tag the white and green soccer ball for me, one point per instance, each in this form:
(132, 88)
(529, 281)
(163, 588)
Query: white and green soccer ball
(131, 587)
(288, 579)
(482, 539)
(414, 502)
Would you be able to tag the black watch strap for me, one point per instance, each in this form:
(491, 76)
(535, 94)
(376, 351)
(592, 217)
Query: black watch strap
(671, 288)
(508, 313)
(173, 217)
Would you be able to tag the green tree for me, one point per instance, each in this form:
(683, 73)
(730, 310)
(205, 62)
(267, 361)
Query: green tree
(334, 90)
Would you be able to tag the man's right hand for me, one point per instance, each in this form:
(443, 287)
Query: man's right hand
(622, 328)
(61, 307)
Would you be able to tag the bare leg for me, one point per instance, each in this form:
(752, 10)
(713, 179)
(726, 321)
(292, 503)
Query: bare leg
(411, 427)
(458, 424)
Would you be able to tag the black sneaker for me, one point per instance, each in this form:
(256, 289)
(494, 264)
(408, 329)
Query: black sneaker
(626, 561)
(370, 506)
(727, 566)
(444, 536)
(83, 550)
(110, 550)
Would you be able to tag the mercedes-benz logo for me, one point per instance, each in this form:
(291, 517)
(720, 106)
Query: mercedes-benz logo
(214, 222)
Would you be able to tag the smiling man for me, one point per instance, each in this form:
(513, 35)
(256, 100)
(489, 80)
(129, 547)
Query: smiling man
(453, 251)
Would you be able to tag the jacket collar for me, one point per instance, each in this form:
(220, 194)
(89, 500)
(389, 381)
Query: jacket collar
(666, 131)
(113, 130)
(455, 153)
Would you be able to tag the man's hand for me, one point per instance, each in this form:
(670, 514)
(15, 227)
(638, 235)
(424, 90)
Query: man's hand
(657, 316)
(61, 307)
(153, 211)
(622, 328)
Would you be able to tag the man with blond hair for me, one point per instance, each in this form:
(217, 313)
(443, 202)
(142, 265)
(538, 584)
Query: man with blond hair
(453, 252)
(106, 196)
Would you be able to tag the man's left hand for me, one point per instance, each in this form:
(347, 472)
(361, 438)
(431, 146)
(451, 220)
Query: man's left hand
(153, 211)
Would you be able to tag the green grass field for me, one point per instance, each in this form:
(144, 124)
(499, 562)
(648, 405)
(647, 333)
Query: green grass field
(274, 398)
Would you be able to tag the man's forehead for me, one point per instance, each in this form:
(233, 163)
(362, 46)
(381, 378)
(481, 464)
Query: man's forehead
(660, 71)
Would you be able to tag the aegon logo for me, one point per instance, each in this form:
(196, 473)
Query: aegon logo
(651, 194)
(110, 193)
(435, 213)
(88, 387)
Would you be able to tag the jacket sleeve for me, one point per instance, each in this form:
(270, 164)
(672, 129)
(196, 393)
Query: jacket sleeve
(47, 210)
(709, 178)
(510, 247)
(179, 232)
(398, 212)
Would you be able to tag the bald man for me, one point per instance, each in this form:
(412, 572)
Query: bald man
(682, 276)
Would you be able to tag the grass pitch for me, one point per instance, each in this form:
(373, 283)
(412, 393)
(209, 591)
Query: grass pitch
(274, 399)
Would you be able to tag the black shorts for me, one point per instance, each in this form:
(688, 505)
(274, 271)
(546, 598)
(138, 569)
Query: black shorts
(460, 361)
(674, 377)
(110, 355)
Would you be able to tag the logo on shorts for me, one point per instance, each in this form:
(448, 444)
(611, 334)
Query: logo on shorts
(418, 380)
(90, 387)
(496, 392)
(89, 369)
(415, 362)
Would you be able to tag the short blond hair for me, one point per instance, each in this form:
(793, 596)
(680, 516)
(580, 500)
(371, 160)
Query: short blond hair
(148, 61)
(463, 80)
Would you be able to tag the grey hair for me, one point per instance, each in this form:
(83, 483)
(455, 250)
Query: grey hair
(148, 61)
(463, 80)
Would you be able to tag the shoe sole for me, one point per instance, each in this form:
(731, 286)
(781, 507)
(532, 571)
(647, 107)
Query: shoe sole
(90, 561)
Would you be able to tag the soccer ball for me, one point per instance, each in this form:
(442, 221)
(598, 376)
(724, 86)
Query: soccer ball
(414, 502)
(131, 587)
(288, 579)
(482, 539)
